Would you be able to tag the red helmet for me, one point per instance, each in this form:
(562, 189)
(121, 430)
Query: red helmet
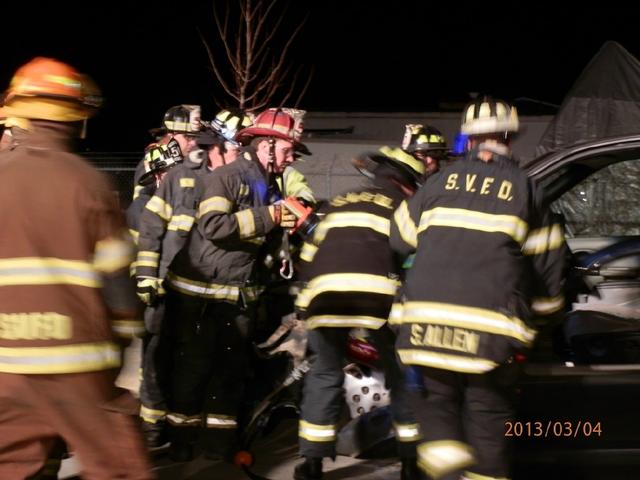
(274, 122)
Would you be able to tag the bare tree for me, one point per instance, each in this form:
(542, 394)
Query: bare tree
(255, 70)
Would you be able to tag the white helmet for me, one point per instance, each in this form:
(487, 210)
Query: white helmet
(486, 116)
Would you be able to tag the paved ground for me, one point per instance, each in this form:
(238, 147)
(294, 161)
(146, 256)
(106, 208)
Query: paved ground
(276, 456)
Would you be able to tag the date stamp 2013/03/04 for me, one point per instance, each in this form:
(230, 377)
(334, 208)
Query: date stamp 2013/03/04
(554, 428)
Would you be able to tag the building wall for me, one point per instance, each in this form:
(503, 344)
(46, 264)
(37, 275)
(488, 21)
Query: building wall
(334, 138)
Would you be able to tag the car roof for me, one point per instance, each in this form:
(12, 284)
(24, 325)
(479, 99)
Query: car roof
(579, 161)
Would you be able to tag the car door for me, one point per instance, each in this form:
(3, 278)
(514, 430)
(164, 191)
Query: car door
(595, 188)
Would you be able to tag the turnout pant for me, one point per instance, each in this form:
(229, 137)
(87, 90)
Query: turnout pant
(323, 393)
(462, 418)
(37, 410)
(156, 365)
(210, 350)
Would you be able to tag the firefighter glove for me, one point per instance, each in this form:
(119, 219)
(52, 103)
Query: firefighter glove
(282, 216)
(149, 289)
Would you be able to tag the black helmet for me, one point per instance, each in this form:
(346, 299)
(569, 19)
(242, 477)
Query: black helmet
(159, 158)
(180, 119)
(423, 138)
(223, 128)
(391, 162)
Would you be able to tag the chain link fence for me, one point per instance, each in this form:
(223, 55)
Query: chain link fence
(120, 167)
(328, 172)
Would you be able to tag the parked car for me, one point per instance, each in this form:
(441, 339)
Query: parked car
(578, 409)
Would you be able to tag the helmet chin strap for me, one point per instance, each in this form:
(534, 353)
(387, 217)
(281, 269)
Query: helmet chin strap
(271, 160)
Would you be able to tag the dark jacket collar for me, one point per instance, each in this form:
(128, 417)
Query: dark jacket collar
(47, 135)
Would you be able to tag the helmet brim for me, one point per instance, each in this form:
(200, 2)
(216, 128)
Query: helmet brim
(147, 178)
(302, 148)
(369, 162)
(208, 138)
(245, 136)
(158, 132)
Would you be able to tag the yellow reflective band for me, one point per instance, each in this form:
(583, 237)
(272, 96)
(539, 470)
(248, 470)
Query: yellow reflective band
(47, 271)
(407, 432)
(346, 282)
(221, 421)
(160, 208)
(150, 415)
(351, 219)
(316, 433)
(396, 313)
(350, 321)
(184, 126)
(137, 190)
(214, 204)
(128, 328)
(246, 223)
(112, 254)
(86, 357)
(134, 234)
(35, 326)
(187, 182)
(147, 259)
(456, 363)
(406, 226)
(201, 289)
(308, 251)
(479, 319)
(547, 305)
(213, 290)
(510, 225)
(477, 476)
(543, 239)
(181, 222)
(179, 420)
(441, 457)
(148, 254)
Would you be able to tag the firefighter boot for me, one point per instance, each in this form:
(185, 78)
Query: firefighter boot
(180, 451)
(155, 434)
(310, 469)
(410, 470)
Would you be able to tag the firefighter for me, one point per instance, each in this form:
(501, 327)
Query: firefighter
(212, 289)
(426, 144)
(279, 255)
(165, 224)
(180, 122)
(66, 297)
(352, 279)
(487, 257)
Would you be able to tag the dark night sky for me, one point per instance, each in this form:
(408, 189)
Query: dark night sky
(395, 55)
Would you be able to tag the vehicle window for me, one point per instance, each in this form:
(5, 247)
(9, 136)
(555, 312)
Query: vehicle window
(605, 203)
